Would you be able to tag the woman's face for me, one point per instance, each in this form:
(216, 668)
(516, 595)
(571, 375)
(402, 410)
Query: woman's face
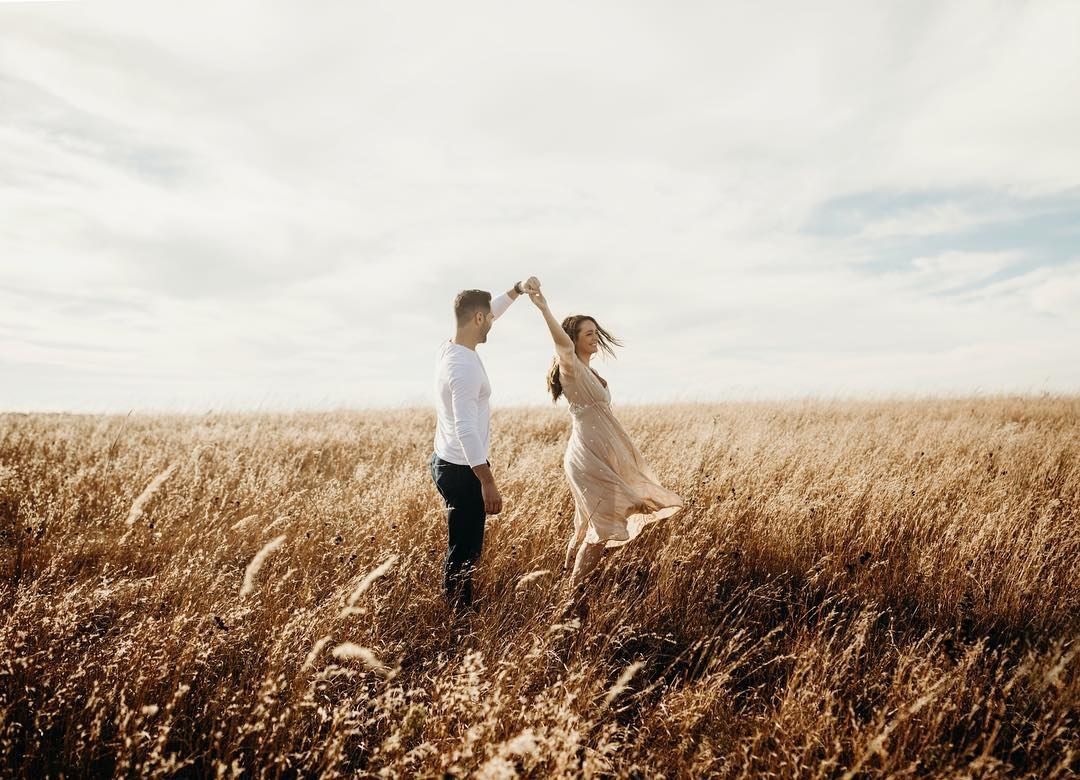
(586, 338)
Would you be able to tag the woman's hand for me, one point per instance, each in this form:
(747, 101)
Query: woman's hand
(538, 299)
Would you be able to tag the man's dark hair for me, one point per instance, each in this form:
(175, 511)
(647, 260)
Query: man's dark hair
(468, 302)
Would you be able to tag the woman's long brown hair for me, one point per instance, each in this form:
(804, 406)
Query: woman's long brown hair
(572, 326)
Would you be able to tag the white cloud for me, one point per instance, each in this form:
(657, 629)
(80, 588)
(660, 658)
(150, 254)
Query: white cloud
(949, 271)
(1059, 296)
(229, 204)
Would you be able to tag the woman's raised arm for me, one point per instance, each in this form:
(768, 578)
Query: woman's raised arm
(558, 335)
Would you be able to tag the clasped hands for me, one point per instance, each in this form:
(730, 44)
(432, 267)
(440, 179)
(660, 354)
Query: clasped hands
(531, 287)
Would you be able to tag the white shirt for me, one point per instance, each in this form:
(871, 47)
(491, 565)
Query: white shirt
(462, 390)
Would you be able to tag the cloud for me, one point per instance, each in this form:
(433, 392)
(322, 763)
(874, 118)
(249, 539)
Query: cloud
(951, 271)
(229, 204)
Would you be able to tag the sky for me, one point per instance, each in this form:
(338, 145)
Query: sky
(265, 205)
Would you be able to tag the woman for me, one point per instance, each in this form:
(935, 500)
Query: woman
(615, 491)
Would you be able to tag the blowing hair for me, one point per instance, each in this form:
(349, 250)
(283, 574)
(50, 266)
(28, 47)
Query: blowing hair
(572, 326)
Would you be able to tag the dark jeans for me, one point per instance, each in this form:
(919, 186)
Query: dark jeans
(460, 489)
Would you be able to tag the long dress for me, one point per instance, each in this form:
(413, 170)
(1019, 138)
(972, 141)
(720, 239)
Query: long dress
(616, 494)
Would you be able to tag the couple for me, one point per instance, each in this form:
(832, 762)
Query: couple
(615, 491)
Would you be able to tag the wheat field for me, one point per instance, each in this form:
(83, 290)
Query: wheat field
(855, 589)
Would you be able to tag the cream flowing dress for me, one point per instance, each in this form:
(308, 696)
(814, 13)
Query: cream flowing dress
(616, 494)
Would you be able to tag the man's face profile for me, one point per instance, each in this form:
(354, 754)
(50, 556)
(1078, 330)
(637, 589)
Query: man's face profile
(486, 320)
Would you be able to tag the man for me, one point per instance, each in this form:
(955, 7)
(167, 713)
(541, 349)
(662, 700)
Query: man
(459, 465)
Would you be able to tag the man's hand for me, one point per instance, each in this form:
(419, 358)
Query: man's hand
(492, 498)
(531, 285)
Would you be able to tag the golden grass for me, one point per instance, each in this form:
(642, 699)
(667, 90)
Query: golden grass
(855, 589)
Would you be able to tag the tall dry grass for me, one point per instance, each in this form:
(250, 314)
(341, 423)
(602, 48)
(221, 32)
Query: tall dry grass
(855, 589)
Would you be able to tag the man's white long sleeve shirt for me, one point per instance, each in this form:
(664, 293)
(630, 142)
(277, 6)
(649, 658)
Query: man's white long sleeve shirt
(462, 393)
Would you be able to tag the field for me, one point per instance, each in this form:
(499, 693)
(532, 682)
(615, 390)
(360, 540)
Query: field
(866, 589)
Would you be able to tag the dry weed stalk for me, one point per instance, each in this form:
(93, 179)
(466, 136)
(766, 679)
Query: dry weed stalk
(860, 588)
